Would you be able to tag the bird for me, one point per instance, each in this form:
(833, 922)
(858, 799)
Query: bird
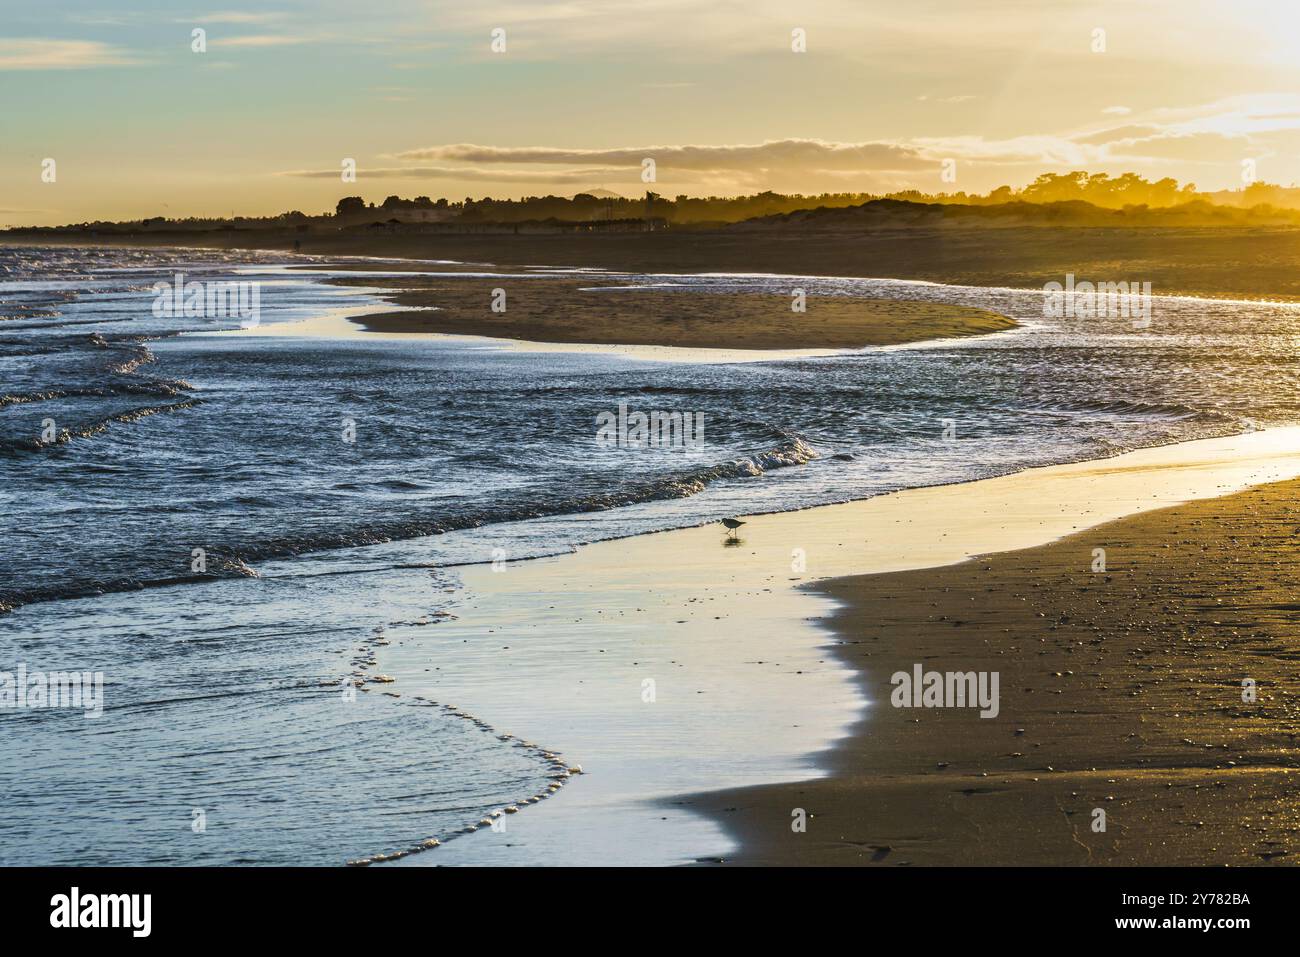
(732, 524)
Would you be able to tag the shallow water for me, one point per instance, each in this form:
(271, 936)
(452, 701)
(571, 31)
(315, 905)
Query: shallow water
(222, 688)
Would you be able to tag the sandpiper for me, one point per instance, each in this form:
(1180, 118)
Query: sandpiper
(732, 524)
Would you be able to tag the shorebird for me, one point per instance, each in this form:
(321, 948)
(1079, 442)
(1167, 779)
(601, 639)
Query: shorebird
(732, 524)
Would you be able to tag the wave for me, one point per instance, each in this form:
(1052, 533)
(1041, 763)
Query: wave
(154, 387)
(1136, 407)
(234, 561)
(17, 446)
(125, 356)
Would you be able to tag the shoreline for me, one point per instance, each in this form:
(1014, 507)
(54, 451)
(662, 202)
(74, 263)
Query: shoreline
(1171, 776)
(770, 698)
(1124, 736)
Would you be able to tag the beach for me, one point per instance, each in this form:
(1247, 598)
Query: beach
(1104, 675)
(1122, 691)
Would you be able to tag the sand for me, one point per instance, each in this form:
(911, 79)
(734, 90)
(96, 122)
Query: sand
(1121, 694)
(750, 666)
(548, 310)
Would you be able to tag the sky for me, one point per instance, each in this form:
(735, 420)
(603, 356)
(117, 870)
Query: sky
(725, 97)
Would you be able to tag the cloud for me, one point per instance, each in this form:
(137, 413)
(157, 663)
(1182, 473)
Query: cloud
(1044, 150)
(1202, 148)
(1117, 110)
(1216, 134)
(394, 94)
(258, 40)
(468, 174)
(44, 54)
(1117, 134)
(232, 16)
(1161, 142)
(793, 164)
(769, 155)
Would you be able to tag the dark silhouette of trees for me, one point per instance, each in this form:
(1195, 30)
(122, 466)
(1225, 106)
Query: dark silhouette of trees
(349, 205)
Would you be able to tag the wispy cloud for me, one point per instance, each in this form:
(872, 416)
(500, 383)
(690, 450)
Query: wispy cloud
(394, 94)
(789, 153)
(467, 174)
(1208, 135)
(46, 54)
(232, 16)
(257, 40)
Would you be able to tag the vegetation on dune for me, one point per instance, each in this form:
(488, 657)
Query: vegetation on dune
(1077, 198)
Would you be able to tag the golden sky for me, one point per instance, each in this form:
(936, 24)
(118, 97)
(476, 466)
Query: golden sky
(140, 123)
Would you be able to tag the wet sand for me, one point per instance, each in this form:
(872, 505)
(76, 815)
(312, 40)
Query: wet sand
(550, 310)
(1121, 690)
(752, 684)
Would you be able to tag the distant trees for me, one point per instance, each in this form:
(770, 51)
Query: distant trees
(1267, 194)
(1098, 189)
(1102, 189)
(350, 205)
(420, 202)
